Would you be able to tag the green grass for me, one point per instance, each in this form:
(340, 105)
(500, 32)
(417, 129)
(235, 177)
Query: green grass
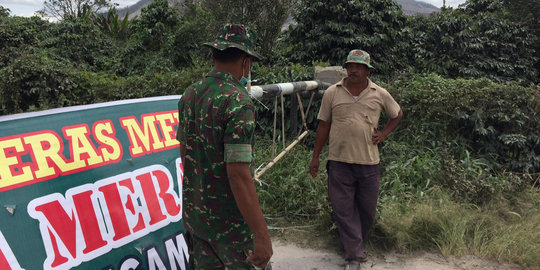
(506, 229)
(287, 189)
(419, 209)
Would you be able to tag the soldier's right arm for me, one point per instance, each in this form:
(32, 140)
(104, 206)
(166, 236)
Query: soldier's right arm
(243, 189)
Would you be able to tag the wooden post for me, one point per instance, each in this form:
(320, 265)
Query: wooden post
(293, 116)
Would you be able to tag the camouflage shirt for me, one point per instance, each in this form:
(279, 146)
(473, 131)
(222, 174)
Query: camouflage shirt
(216, 124)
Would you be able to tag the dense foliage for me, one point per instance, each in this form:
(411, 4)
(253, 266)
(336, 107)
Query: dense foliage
(478, 40)
(328, 30)
(68, 9)
(494, 120)
(459, 43)
(266, 17)
(458, 173)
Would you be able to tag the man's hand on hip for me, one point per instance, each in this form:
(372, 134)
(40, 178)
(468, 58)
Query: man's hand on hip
(378, 136)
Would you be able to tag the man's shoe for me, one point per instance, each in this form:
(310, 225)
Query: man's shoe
(352, 266)
(361, 259)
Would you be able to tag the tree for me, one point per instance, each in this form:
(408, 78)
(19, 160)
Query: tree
(266, 17)
(151, 32)
(328, 30)
(18, 35)
(4, 12)
(526, 12)
(186, 44)
(112, 24)
(80, 43)
(470, 42)
(156, 22)
(63, 9)
(474, 7)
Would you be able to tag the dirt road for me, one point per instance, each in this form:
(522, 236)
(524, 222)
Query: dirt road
(291, 257)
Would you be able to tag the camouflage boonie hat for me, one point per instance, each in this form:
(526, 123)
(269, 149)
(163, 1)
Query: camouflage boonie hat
(236, 36)
(358, 56)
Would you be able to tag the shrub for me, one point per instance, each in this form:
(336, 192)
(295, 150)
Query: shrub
(80, 43)
(498, 121)
(19, 35)
(36, 82)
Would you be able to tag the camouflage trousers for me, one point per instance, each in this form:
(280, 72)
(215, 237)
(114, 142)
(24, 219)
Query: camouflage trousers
(206, 255)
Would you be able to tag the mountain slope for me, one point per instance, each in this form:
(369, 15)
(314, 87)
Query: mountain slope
(135, 9)
(410, 7)
(413, 7)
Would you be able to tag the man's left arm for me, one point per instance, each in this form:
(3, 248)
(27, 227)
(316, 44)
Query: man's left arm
(380, 135)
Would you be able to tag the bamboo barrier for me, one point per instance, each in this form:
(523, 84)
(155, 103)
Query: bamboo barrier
(273, 90)
(278, 157)
(281, 89)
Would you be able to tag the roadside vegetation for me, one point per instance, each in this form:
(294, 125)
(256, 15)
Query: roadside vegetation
(454, 179)
(460, 174)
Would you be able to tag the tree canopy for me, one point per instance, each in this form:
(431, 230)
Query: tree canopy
(477, 40)
(63, 9)
(100, 56)
(328, 30)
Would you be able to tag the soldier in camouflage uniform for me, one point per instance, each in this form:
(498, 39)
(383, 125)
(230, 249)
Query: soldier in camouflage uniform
(224, 222)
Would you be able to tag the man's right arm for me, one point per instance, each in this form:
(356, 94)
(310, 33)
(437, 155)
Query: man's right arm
(245, 195)
(323, 130)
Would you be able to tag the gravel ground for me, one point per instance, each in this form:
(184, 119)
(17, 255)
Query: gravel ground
(289, 256)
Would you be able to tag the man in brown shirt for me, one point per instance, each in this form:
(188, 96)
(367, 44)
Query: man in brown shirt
(349, 116)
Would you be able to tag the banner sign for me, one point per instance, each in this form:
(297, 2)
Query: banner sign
(92, 187)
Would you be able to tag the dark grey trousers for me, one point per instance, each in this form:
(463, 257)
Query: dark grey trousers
(353, 191)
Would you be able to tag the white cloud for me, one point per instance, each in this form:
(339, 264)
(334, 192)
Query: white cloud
(36, 3)
(439, 3)
(27, 8)
(124, 3)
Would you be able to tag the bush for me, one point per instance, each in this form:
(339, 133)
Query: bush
(498, 121)
(460, 43)
(80, 43)
(37, 82)
(19, 35)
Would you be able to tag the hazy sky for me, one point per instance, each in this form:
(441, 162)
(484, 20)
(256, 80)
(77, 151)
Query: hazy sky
(28, 7)
(437, 3)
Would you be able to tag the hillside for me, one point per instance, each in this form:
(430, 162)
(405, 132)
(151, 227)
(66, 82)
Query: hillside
(410, 7)
(413, 7)
(135, 9)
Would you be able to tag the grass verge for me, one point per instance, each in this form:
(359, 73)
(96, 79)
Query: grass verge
(505, 227)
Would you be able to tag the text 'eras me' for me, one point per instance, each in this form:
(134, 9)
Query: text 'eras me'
(89, 220)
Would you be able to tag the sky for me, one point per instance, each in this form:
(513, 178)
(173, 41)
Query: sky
(437, 3)
(27, 8)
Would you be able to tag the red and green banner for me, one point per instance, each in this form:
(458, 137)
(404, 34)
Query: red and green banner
(92, 187)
